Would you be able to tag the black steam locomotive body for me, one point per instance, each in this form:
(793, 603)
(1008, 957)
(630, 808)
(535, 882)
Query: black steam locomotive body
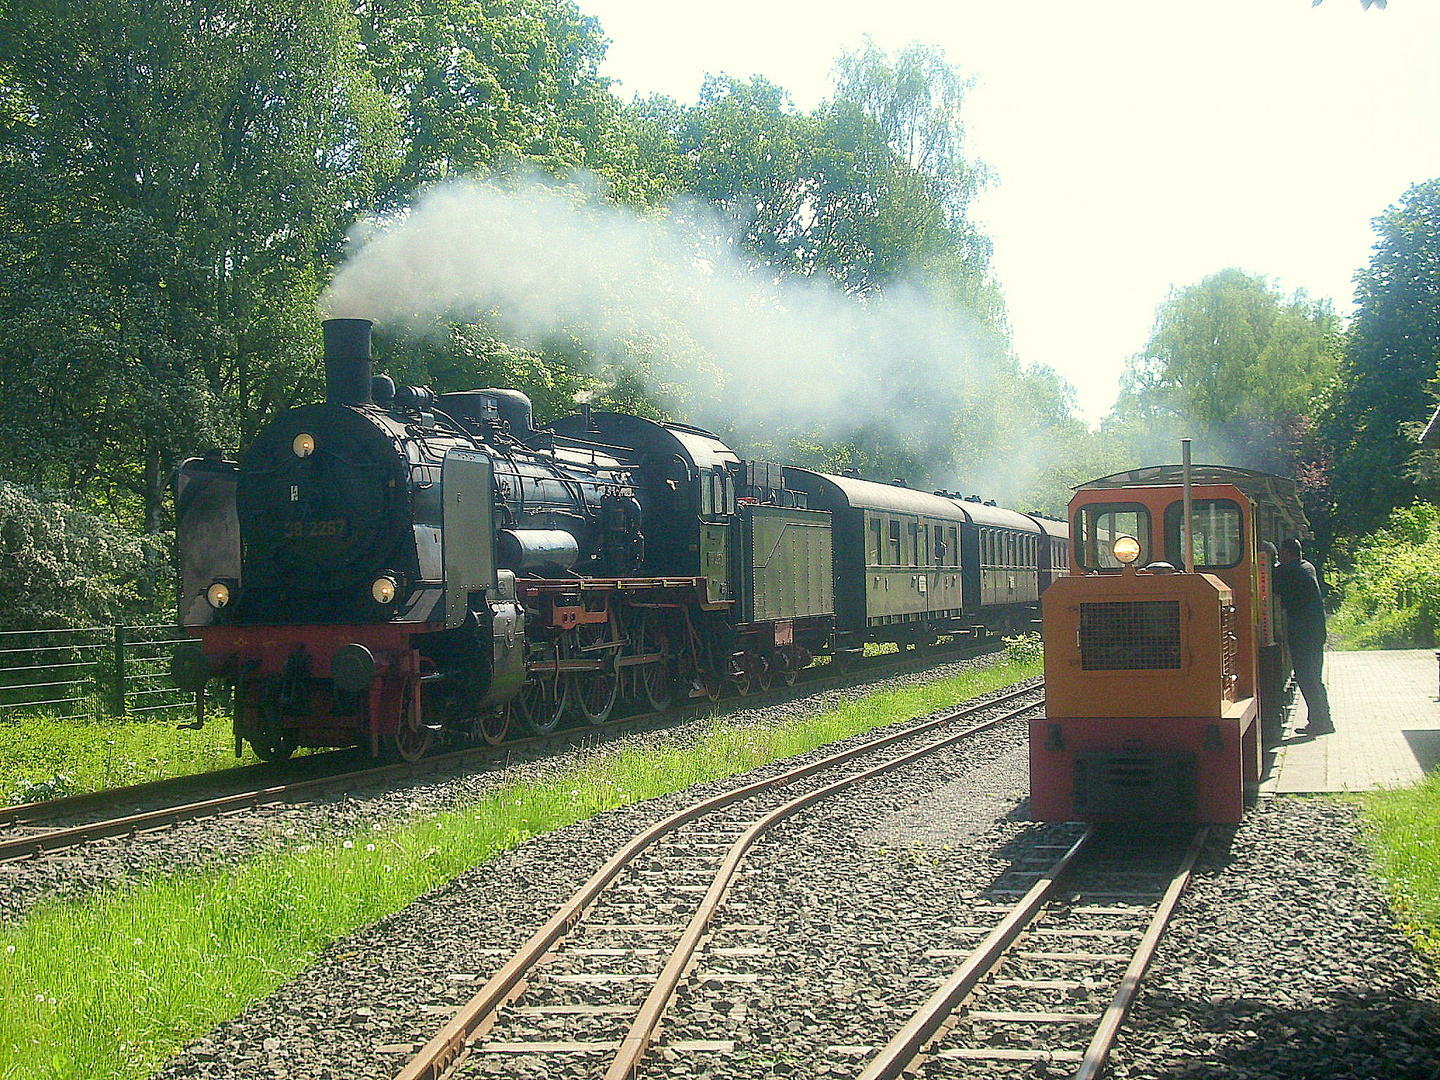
(392, 564)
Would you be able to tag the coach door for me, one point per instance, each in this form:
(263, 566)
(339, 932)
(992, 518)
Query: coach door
(717, 510)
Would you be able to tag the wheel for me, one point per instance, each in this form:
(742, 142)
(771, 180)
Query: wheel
(593, 693)
(657, 680)
(493, 726)
(543, 699)
(743, 675)
(789, 665)
(411, 739)
(275, 745)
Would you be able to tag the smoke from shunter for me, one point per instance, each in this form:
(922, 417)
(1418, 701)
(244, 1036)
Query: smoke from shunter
(667, 297)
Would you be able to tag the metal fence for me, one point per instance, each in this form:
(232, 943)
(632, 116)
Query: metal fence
(87, 670)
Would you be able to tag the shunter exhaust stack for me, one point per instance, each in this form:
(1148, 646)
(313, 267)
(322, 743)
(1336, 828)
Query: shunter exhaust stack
(347, 361)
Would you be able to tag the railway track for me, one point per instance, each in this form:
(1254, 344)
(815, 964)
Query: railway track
(43, 828)
(1052, 981)
(596, 979)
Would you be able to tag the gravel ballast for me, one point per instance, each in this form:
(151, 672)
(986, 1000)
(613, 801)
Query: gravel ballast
(1284, 960)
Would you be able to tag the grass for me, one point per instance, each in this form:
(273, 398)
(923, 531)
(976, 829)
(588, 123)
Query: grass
(115, 984)
(44, 757)
(1403, 833)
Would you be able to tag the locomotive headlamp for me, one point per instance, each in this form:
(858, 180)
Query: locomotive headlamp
(1126, 549)
(383, 590)
(218, 594)
(304, 445)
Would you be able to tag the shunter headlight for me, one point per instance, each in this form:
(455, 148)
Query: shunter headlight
(304, 445)
(218, 595)
(1126, 549)
(383, 590)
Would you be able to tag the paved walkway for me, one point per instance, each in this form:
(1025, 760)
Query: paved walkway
(1387, 726)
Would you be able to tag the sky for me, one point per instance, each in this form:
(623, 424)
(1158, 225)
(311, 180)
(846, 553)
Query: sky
(1135, 145)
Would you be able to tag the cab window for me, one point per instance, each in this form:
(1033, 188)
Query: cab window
(1217, 539)
(1098, 525)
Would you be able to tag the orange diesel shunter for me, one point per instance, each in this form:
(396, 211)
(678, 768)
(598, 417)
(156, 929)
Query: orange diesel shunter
(1153, 662)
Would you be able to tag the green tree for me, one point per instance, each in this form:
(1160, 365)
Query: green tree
(1387, 375)
(1235, 364)
(172, 180)
(476, 84)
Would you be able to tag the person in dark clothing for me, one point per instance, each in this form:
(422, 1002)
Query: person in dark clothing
(1298, 588)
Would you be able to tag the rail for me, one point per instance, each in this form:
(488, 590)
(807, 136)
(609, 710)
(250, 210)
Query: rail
(445, 1052)
(936, 1020)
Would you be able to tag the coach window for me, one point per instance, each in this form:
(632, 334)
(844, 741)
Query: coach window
(1097, 526)
(874, 542)
(1217, 534)
(954, 545)
(893, 555)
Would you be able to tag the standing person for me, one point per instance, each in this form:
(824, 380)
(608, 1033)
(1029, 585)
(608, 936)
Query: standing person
(1298, 588)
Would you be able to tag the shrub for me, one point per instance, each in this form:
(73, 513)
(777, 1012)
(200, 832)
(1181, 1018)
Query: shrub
(60, 566)
(1392, 593)
(1024, 649)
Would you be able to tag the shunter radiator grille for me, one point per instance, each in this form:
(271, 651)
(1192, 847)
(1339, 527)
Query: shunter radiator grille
(1229, 649)
(1132, 635)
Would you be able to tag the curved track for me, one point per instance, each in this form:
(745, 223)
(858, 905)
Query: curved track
(651, 905)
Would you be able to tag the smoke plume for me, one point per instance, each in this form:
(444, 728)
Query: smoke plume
(667, 296)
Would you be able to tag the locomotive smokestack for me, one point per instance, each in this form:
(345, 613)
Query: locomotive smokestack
(347, 361)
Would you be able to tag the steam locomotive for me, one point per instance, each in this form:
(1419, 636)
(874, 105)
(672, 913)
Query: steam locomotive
(395, 564)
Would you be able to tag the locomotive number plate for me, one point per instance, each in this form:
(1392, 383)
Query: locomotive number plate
(324, 529)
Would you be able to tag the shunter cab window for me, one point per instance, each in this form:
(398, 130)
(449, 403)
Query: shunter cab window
(1097, 526)
(1218, 536)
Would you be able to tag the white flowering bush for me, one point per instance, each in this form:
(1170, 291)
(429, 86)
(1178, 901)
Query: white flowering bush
(61, 566)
